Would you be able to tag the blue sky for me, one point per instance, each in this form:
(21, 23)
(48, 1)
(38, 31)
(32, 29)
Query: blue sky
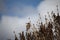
(8, 5)
(26, 2)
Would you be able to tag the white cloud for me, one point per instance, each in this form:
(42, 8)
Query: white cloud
(10, 24)
(48, 6)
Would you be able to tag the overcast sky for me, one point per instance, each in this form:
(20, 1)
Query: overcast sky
(14, 14)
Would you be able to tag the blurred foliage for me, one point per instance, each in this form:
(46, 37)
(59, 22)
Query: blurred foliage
(47, 31)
